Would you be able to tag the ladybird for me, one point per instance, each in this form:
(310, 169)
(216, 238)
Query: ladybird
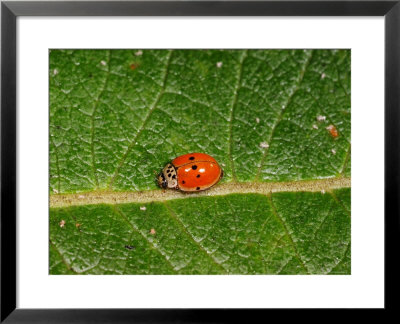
(190, 172)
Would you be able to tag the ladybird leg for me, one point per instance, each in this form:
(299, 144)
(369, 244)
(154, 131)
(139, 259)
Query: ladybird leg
(222, 174)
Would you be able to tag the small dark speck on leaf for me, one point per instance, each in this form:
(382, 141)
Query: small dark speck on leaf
(130, 247)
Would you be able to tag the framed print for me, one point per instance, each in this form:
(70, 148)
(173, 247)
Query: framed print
(161, 158)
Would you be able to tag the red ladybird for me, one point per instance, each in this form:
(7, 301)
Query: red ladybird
(190, 172)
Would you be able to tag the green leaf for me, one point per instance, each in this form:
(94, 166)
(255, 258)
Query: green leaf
(284, 233)
(116, 118)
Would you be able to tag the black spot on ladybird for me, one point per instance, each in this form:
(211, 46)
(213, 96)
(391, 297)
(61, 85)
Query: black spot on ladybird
(198, 188)
(174, 176)
(198, 176)
(194, 167)
(169, 175)
(191, 158)
(183, 181)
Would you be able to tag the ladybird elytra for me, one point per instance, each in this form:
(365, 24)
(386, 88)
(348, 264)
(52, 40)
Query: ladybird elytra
(190, 172)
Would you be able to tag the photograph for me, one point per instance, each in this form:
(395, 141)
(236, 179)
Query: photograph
(199, 161)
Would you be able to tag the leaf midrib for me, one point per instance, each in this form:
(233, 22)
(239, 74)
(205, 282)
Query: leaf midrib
(264, 188)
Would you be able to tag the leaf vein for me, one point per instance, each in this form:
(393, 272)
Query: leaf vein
(57, 163)
(184, 230)
(152, 245)
(341, 260)
(346, 159)
(280, 115)
(152, 108)
(62, 257)
(92, 120)
(234, 103)
(340, 203)
(275, 213)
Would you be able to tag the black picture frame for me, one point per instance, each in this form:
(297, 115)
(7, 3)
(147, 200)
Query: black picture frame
(10, 10)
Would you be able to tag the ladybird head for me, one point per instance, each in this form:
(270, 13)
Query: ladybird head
(168, 177)
(162, 182)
